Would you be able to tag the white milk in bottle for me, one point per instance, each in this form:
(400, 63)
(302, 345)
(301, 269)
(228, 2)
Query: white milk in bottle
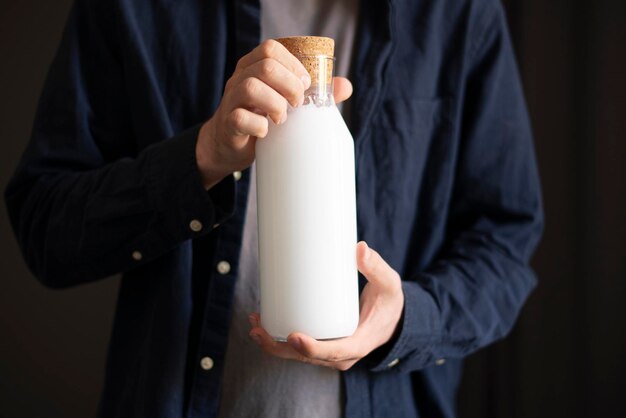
(307, 211)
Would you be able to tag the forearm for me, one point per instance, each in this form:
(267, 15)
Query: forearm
(469, 299)
(75, 227)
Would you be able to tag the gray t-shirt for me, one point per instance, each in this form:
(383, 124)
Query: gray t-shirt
(256, 384)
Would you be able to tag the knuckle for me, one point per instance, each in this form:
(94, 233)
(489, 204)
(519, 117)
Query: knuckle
(268, 47)
(250, 86)
(229, 84)
(236, 118)
(268, 66)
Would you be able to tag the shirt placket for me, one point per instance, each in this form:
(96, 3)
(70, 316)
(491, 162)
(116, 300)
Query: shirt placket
(213, 339)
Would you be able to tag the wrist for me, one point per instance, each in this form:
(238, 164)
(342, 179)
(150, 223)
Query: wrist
(209, 169)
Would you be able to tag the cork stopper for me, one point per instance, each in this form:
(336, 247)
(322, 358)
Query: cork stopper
(316, 54)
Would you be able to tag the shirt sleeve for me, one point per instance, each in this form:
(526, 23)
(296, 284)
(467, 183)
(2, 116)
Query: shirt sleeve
(471, 296)
(86, 202)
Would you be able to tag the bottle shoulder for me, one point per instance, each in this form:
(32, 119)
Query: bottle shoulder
(311, 121)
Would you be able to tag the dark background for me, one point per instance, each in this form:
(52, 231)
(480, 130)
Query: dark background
(567, 354)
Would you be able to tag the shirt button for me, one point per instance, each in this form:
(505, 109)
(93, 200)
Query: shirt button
(223, 267)
(440, 361)
(393, 362)
(207, 363)
(137, 256)
(237, 175)
(195, 225)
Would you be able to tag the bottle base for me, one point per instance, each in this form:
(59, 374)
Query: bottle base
(284, 340)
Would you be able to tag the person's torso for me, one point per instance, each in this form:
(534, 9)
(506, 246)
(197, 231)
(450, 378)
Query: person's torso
(408, 69)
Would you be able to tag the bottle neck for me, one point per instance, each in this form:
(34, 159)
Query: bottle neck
(320, 68)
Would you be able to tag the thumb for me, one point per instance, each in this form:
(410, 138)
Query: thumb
(373, 267)
(342, 89)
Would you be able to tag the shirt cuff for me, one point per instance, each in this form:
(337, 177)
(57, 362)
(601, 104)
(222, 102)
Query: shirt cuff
(412, 347)
(184, 208)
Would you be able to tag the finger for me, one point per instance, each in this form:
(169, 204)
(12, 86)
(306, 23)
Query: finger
(273, 49)
(241, 122)
(332, 351)
(278, 77)
(276, 348)
(342, 89)
(281, 349)
(286, 350)
(374, 268)
(254, 319)
(255, 94)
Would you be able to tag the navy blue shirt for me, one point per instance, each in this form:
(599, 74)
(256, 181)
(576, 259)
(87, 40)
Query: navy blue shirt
(447, 187)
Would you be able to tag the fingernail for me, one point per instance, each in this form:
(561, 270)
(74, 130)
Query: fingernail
(301, 101)
(306, 81)
(256, 338)
(252, 320)
(283, 118)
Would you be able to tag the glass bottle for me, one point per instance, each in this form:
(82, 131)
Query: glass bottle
(306, 204)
